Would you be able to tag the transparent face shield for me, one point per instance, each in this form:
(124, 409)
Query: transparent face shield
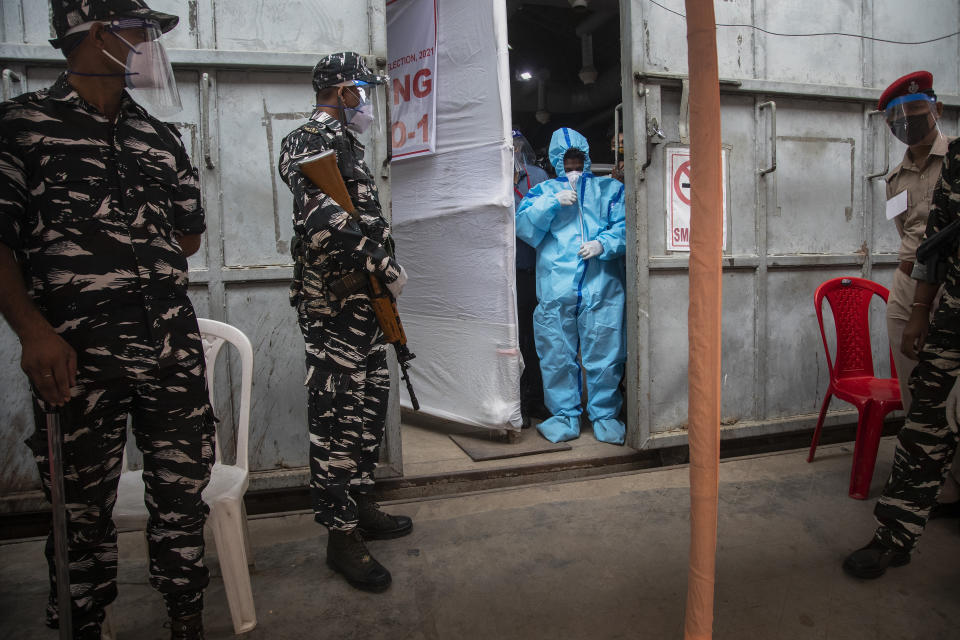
(364, 118)
(522, 154)
(146, 69)
(913, 119)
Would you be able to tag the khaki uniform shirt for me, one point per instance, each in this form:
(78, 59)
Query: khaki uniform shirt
(919, 183)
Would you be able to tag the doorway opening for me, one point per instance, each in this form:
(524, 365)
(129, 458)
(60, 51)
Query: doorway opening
(565, 71)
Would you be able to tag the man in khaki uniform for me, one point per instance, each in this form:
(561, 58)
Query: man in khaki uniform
(915, 178)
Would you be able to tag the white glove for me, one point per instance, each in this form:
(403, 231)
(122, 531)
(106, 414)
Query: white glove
(396, 287)
(567, 197)
(590, 249)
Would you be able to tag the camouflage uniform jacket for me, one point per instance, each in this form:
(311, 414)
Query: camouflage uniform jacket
(90, 208)
(333, 243)
(945, 209)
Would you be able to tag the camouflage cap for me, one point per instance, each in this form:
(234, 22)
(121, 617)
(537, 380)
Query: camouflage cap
(338, 68)
(67, 14)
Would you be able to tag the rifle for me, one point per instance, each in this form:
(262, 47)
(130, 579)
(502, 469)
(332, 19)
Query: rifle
(322, 171)
(60, 540)
(933, 251)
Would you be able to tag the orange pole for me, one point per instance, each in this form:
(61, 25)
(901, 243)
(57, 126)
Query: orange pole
(706, 240)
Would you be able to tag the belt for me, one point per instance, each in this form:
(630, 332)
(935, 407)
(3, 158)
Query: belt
(906, 266)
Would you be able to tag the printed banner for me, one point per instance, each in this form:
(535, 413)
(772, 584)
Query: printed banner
(678, 198)
(412, 48)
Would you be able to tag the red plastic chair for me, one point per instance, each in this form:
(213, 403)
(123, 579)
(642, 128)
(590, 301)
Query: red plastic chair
(851, 375)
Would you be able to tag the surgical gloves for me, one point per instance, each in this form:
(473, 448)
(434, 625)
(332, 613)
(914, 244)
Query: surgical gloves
(567, 197)
(396, 287)
(590, 249)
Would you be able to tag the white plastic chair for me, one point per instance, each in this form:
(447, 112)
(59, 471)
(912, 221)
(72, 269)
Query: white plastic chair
(224, 494)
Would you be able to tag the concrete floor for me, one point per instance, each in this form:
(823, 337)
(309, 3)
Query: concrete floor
(594, 559)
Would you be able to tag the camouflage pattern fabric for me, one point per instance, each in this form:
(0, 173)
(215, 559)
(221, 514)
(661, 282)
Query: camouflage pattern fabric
(926, 441)
(174, 428)
(341, 67)
(92, 210)
(346, 423)
(334, 244)
(348, 380)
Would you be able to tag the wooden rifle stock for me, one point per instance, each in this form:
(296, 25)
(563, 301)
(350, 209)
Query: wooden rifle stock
(322, 170)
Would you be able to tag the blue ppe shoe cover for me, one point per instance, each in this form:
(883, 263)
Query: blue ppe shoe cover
(560, 428)
(609, 430)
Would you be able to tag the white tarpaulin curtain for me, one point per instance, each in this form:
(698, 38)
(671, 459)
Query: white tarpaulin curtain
(453, 221)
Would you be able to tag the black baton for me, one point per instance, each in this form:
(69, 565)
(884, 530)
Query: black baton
(64, 602)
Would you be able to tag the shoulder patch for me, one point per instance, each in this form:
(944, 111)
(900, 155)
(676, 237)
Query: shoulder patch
(311, 128)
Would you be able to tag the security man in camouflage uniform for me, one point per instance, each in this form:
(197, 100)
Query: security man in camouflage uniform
(99, 209)
(347, 377)
(928, 440)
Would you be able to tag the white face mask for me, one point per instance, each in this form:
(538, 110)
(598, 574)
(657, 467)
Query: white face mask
(573, 177)
(359, 120)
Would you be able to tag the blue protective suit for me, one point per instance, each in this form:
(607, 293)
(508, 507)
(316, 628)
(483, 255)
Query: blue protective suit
(581, 302)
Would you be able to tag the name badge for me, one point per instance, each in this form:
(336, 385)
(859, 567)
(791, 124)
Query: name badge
(897, 205)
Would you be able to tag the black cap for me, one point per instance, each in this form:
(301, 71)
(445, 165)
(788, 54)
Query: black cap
(67, 14)
(338, 68)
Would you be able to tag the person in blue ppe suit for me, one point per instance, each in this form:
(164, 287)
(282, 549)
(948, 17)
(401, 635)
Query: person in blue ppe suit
(576, 224)
(526, 174)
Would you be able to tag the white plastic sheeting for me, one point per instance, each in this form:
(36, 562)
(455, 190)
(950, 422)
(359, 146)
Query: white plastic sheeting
(453, 221)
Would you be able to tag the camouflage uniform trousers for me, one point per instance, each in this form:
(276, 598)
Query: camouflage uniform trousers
(346, 409)
(927, 441)
(174, 428)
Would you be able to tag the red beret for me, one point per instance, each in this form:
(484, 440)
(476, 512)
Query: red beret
(916, 82)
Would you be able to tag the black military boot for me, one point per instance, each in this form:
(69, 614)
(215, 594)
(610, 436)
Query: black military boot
(872, 560)
(377, 525)
(348, 555)
(88, 631)
(187, 627)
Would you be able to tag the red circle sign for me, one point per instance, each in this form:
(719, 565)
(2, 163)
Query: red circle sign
(681, 176)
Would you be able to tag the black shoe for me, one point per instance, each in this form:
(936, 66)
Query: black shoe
(375, 524)
(187, 628)
(945, 510)
(872, 560)
(348, 555)
(89, 631)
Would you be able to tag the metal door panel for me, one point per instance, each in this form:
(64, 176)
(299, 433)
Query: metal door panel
(818, 60)
(816, 205)
(669, 293)
(739, 140)
(738, 367)
(655, 175)
(278, 418)
(818, 180)
(912, 22)
(185, 35)
(292, 25)
(668, 347)
(256, 110)
(17, 469)
(664, 34)
(28, 23)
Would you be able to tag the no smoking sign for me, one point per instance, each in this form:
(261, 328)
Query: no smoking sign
(678, 186)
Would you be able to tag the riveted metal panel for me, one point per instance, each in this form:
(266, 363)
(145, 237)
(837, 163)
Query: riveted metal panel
(291, 25)
(813, 217)
(668, 348)
(243, 70)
